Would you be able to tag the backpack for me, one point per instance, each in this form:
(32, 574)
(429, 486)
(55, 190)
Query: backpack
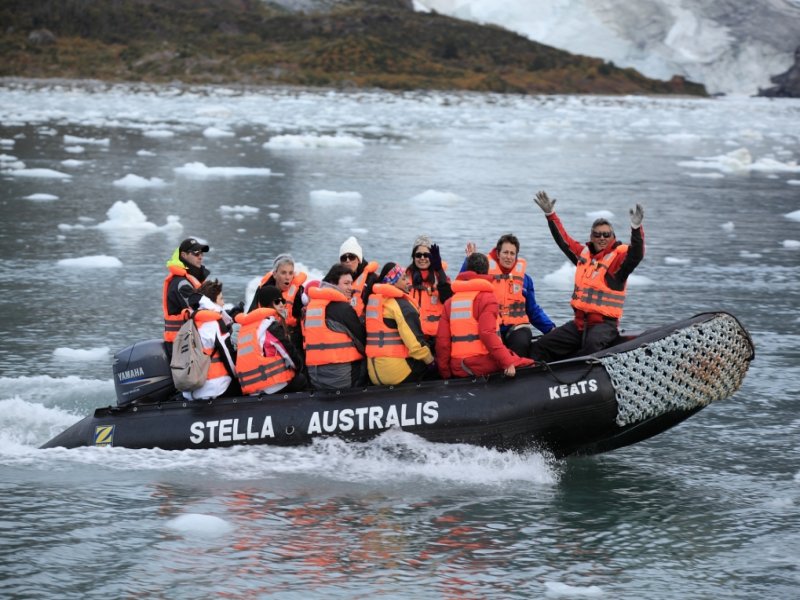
(189, 363)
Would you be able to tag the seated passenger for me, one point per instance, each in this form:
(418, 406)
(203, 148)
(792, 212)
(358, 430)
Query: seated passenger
(290, 284)
(430, 286)
(215, 337)
(467, 343)
(364, 273)
(335, 336)
(396, 347)
(513, 286)
(267, 361)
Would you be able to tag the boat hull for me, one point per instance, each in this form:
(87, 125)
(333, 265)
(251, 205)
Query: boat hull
(579, 406)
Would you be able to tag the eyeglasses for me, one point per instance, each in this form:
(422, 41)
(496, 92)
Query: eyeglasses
(347, 257)
(422, 255)
(196, 252)
(603, 234)
(279, 301)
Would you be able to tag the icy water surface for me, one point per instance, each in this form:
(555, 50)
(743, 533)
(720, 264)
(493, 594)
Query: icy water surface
(98, 186)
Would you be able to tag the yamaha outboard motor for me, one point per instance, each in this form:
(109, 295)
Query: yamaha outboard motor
(142, 373)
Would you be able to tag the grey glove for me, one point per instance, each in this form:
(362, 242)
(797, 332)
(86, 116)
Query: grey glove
(637, 215)
(545, 203)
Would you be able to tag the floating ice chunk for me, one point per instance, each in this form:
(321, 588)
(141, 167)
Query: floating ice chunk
(198, 170)
(794, 216)
(238, 208)
(556, 589)
(82, 355)
(194, 524)
(437, 197)
(7, 142)
(274, 216)
(313, 141)
(136, 182)
(707, 175)
(737, 161)
(329, 196)
(99, 261)
(72, 163)
(39, 173)
(793, 181)
(145, 153)
(67, 227)
(158, 133)
(74, 149)
(126, 216)
(770, 165)
(41, 197)
(791, 244)
(563, 278)
(600, 214)
(729, 226)
(748, 254)
(674, 260)
(7, 158)
(73, 139)
(215, 132)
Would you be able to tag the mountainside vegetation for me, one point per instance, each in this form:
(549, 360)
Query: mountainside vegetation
(379, 43)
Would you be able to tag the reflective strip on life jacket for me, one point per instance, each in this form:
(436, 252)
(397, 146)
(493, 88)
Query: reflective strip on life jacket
(357, 300)
(465, 339)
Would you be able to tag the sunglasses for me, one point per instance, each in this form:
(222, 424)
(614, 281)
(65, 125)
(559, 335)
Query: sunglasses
(279, 301)
(422, 255)
(603, 234)
(347, 257)
(196, 252)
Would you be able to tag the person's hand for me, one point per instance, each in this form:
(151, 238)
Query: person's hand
(436, 259)
(510, 371)
(545, 203)
(471, 247)
(637, 215)
(236, 309)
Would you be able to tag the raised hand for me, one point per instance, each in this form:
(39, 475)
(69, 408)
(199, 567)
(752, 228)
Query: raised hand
(545, 203)
(637, 215)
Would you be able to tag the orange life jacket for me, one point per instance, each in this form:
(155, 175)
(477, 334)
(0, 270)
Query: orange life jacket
(465, 340)
(591, 293)
(172, 323)
(323, 345)
(289, 295)
(217, 366)
(383, 340)
(430, 307)
(255, 371)
(357, 301)
(508, 287)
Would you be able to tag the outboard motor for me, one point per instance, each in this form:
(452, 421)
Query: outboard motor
(142, 373)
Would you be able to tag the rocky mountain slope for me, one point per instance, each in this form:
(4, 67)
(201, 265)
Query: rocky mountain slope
(343, 43)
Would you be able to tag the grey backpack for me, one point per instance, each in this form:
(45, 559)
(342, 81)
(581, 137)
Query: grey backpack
(189, 363)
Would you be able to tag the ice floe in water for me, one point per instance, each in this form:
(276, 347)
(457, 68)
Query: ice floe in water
(127, 216)
(216, 132)
(76, 140)
(740, 161)
(791, 244)
(198, 525)
(794, 216)
(283, 142)
(437, 197)
(41, 197)
(330, 196)
(198, 170)
(674, 260)
(38, 173)
(132, 181)
(99, 261)
(81, 355)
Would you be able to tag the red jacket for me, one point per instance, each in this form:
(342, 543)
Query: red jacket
(485, 310)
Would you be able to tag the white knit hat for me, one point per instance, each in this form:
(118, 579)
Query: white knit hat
(351, 246)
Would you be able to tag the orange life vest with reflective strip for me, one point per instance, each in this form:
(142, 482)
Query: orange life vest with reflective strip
(465, 339)
(508, 290)
(591, 293)
(217, 367)
(357, 301)
(430, 308)
(383, 340)
(255, 371)
(323, 345)
(289, 295)
(172, 323)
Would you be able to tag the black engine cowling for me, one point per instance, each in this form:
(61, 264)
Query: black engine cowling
(142, 373)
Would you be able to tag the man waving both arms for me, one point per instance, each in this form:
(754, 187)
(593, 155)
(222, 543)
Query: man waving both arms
(603, 266)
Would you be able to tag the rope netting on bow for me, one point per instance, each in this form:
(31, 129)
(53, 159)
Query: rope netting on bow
(685, 370)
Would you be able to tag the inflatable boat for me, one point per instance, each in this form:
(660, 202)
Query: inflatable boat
(625, 394)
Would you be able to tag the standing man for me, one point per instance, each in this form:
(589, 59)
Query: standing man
(180, 296)
(603, 266)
